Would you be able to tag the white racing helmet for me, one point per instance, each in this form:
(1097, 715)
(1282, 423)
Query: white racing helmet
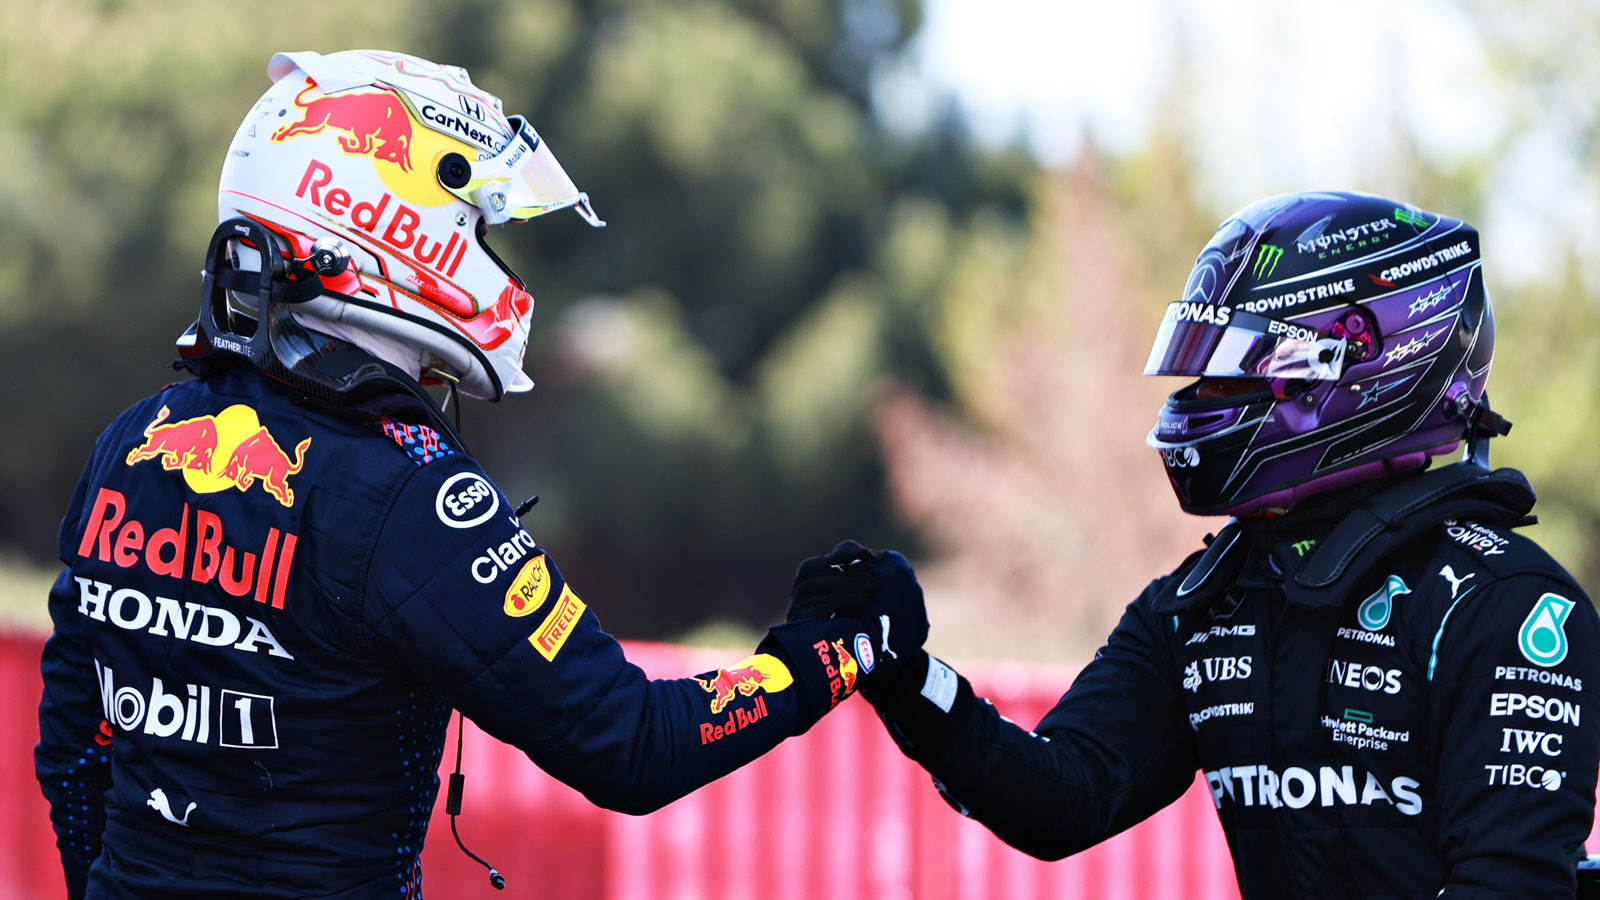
(403, 164)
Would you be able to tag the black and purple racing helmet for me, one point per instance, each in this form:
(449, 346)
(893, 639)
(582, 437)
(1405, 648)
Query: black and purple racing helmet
(1357, 335)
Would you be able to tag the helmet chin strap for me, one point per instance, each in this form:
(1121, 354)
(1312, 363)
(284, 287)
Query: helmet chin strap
(335, 370)
(1483, 423)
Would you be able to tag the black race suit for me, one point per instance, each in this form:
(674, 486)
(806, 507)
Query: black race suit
(1400, 701)
(268, 612)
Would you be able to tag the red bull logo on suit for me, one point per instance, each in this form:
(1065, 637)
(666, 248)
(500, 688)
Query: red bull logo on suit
(230, 449)
(762, 672)
(751, 676)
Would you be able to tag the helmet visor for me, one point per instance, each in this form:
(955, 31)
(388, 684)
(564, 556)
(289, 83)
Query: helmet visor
(523, 180)
(1205, 340)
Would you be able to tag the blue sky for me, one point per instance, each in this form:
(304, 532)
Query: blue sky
(1286, 96)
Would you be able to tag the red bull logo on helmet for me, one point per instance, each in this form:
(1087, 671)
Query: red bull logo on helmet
(377, 124)
(231, 449)
(374, 123)
(762, 672)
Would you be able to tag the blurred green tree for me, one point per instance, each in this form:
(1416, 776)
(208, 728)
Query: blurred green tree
(705, 364)
(1547, 372)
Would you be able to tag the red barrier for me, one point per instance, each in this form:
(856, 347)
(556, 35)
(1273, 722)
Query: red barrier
(836, 812)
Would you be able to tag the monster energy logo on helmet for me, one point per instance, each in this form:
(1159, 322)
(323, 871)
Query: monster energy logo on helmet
(1415, 219)
(1267, 256)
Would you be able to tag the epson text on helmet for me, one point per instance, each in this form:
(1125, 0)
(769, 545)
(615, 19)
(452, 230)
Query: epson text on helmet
(1295, 332)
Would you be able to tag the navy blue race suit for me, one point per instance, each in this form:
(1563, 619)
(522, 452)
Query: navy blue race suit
(269, 610)
(1396, 701)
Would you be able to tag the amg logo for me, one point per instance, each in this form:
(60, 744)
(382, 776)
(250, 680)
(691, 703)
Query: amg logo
(1220, 631)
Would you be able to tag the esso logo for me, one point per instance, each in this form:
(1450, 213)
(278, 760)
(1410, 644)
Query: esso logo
(864, 652)
(465, 500)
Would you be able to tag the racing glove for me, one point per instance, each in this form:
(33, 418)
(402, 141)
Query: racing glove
(854, 618)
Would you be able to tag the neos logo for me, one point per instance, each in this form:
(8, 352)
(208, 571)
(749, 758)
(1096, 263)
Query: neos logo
(466, 499)
(1368, 678)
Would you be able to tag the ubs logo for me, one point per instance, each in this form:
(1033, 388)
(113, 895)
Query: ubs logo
(1215, 668)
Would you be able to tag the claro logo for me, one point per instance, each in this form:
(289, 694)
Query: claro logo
(497, 559)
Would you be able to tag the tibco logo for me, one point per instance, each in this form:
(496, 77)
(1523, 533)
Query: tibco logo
(1298, 788)
(1519, 775)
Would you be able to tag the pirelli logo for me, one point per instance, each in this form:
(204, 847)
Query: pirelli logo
(552, 634)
